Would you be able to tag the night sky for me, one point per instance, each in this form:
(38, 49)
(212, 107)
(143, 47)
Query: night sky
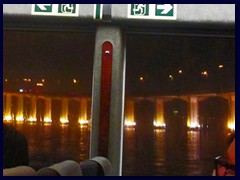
(41, 54)
(60, 57)
(157, 57)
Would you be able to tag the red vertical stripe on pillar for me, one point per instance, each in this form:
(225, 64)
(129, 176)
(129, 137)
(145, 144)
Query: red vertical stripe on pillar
(105, 98)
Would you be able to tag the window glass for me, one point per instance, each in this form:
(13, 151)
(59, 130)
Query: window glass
(179, 104)
(47, 79)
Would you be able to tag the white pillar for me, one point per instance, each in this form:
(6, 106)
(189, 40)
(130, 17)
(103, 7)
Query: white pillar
(8, 112)
(159, 121)
(83, 112)
(33, 110)
(231, 120)
(129, 113)
(193, 121)
(64, 112)
(48, 110)
(19, 116)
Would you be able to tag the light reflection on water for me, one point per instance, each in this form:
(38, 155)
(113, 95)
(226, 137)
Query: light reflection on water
(50, 144)
(161, 152)
(171, 152)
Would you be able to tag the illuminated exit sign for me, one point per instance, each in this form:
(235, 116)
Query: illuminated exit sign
(55, 9)
(152, 11)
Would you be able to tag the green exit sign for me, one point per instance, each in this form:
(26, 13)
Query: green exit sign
(152, 11)
(55, 9)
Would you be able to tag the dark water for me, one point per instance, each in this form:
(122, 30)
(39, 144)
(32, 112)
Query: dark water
(169, 152)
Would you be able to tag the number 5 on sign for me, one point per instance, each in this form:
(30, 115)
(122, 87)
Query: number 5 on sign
(140, 9)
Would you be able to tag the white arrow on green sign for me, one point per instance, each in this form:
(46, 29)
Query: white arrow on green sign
(43, 7)
(162, 9)
(152, 11)
(55, 9)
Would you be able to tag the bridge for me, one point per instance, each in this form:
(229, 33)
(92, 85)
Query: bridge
(25, 108)
(193, 108)
(33, 113)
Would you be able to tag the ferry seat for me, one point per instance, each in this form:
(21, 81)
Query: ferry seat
(19, 171)
(64, 168)
(97, 166)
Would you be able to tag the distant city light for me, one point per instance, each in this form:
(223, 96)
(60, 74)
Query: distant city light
(43, 80)
(141, 78)
(74, 81)
(220, 66)
(21, 90)
(170, 77)
(39, 84)
(175, 112)
(6, 80)
(27, 80)
(180, 71)
(204, 73)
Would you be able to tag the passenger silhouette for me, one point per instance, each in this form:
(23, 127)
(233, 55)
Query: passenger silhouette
(225, 166)
(15, 148)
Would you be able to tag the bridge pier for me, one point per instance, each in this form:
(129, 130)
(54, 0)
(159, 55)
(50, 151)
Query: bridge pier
(231, 119)
(129, 113)
(33, 110)
(64, 111)
(159, 122)
(82, 119)
(19, 116)
(193, 120)
(48, 110)
(8, 110)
